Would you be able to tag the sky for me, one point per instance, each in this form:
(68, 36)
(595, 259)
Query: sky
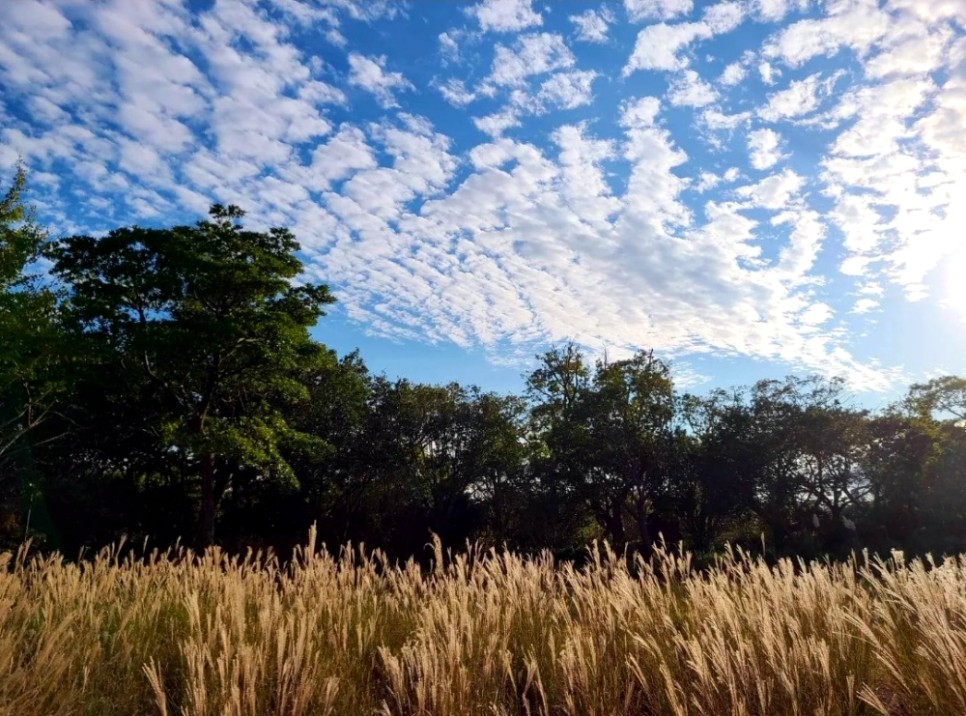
(751, 188)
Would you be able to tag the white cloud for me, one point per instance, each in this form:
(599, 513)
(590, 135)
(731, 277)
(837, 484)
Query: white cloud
(370, 74)
(896, 180)
(769, 75)
(733, 74)
(455, 92)
(909, 48)
(534, 54)
(342, 156)
(724, 16)
(816, 314)
(641, 112)
(856, 24)
(764, 146)
(773, 192)
(714, 119)
(638, 10)
(568, 90)
(706, 181)
(491, 241)
(805, 237)
(592, 25)
(505, 15)
(800, 98)
(688, 89)
(449, 47)
(933, 12)
(658, 47)
(771, 10)
(496, 124)
(583, 183)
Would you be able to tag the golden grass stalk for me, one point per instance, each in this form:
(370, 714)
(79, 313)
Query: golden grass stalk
(179, 634)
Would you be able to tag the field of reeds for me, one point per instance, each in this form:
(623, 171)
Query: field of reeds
(479, 633)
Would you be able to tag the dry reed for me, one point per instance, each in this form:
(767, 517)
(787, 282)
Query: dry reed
(177, 634)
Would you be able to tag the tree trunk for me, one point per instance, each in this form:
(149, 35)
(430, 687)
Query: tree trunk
(642, 505)
(615, 526)
(208, 510)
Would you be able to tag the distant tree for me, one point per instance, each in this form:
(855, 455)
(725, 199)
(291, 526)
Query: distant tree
(608, 437)
(430, 459)
(719, 466)
(558, 441)
(938, 409)
(630, 410)
(333, 484)
(203, 331)
(813, 486)
(901, 448)
(497, 455)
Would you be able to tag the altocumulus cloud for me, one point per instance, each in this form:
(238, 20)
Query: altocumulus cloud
(740, 179)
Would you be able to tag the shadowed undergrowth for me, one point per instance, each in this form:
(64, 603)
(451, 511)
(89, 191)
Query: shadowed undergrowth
(482, 633)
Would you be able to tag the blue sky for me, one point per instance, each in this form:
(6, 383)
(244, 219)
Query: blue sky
(751, 187)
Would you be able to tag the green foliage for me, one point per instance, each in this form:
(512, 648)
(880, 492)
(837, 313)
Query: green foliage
(203, 326)
(605, 437)
(162, 381)
(28, 385)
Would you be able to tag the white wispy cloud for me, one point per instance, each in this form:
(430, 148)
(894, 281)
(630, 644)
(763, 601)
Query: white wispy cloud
(497, 123)
(855, 24)
(733, 74)
(656, 9)
(688, 89)
(799, 98)
(497, 227)
(449, 46)
(568, 90)
(592, 25)
(370, 74)
(506, 15)
(764, 146)
(455, 92)
(659, 47)
(534, 54)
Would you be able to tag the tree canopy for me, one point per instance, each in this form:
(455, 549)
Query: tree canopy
(202, 327)
(164, 383)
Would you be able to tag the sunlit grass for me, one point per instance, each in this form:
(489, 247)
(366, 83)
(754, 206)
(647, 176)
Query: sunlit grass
(481, 633)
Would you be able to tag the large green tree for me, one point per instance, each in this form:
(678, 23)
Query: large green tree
(205, 329)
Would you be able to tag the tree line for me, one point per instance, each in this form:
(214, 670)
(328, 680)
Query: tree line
(163, 383)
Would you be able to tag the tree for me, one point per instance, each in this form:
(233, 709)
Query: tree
(719, 463)
(28, 330)
(607, 437)
(813, 484)
(900, 450)
(941, 398)
(938, 409)
(431, 458)
(332, 485)
(557, 439)
(204, 330)
(630, 410)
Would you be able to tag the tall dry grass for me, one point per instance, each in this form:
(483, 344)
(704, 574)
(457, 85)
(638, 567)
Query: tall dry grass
(483, 633)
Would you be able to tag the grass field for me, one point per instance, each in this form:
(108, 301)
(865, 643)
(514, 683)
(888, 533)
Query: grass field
(176, 634)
